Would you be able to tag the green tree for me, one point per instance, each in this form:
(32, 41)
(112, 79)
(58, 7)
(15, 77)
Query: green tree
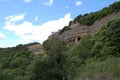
(3, 76)
(107, 40)
(52, 67)
(82, 50)
(89, 19)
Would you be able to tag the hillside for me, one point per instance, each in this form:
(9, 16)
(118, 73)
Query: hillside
(36, 49)
(76, 29)
(87, 50)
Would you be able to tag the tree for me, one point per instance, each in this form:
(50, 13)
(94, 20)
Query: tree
(107, 40)
(3, 76)
(82, 50)
(52, 67)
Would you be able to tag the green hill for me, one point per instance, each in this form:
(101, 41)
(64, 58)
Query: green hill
(94, 57)
(89, 19)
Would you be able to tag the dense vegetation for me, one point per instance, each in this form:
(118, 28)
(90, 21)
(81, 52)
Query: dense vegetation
(13, 62)
(89, 19)
(95, 57)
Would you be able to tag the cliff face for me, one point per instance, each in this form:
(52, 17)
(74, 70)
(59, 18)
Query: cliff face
(77, 30)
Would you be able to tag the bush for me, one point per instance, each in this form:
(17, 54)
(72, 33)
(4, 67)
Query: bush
(93, 69)
(107, 40)
(64, 29)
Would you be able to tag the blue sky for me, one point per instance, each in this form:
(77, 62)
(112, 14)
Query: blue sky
(25, 21)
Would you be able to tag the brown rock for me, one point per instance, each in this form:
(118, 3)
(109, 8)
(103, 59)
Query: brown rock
(77, 30)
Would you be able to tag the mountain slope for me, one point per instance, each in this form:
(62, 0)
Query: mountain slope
(96, 56)
(76, 29)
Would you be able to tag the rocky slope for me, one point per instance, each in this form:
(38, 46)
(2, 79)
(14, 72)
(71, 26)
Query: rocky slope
(36, 49)
(77, 30)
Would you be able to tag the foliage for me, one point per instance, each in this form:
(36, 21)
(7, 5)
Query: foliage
(3, 76)
(94, 57)
(64, 29)
(89, 19)
(13, 62)
(107, 40)
(53, 66)
(82, 49)
(98, 56)
(97, 70)
(70, 23)
(30, 44)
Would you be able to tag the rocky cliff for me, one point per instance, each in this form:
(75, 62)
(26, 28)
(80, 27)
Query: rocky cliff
(77, 30)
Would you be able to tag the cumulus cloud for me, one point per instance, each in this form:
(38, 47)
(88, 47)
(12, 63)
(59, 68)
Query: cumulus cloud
(49, 3)
(2, 36)
(20, 29)
(27, 31)
(78, 3)
(27, 1)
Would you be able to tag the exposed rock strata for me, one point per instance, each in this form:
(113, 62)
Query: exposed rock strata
(78, 30)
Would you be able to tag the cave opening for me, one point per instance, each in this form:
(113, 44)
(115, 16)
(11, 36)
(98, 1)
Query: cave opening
(77, 39)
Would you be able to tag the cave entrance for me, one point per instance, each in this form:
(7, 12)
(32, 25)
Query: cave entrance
(77, 40)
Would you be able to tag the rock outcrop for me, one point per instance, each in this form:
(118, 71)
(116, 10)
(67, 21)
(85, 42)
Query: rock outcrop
(77, 30)
(36, 49)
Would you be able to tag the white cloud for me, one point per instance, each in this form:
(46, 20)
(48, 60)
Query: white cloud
(15, 18)
(27, 1)
(20, 29)
(49, 3)
(2, 36)
(78, 3)
(29, 32)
